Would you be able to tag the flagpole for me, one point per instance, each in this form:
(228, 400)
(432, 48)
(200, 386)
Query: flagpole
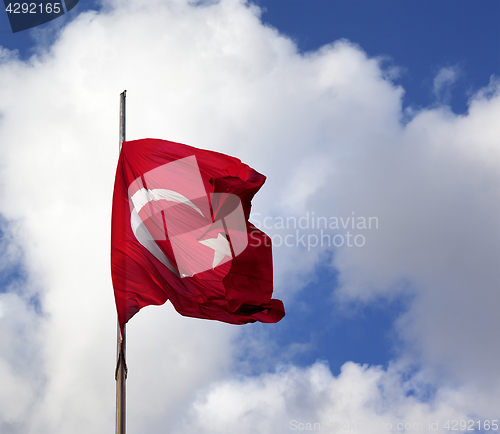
(121, 366)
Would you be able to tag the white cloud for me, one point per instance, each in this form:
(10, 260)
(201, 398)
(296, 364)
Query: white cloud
(361, 398)
(438, 232)
(21, 364)
(443, 81)
(325, 128)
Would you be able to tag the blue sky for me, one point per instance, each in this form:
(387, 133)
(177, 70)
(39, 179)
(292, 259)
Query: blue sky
(419, 36)
(379, 108)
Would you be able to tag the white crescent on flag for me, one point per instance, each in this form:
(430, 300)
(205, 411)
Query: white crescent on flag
(198, 244)
(143, 196)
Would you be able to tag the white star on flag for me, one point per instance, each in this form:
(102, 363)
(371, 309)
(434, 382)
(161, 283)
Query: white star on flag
(221, 247)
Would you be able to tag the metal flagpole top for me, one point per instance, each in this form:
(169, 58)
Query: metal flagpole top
(122, 118)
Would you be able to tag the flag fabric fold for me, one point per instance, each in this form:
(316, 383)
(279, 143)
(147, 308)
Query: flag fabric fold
(180, 232)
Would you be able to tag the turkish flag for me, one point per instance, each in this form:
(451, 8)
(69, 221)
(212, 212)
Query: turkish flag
(180, 232)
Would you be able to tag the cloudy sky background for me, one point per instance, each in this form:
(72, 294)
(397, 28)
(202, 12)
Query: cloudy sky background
(403, 329)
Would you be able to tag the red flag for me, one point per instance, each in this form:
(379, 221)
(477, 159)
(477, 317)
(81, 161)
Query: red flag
(180, 232)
